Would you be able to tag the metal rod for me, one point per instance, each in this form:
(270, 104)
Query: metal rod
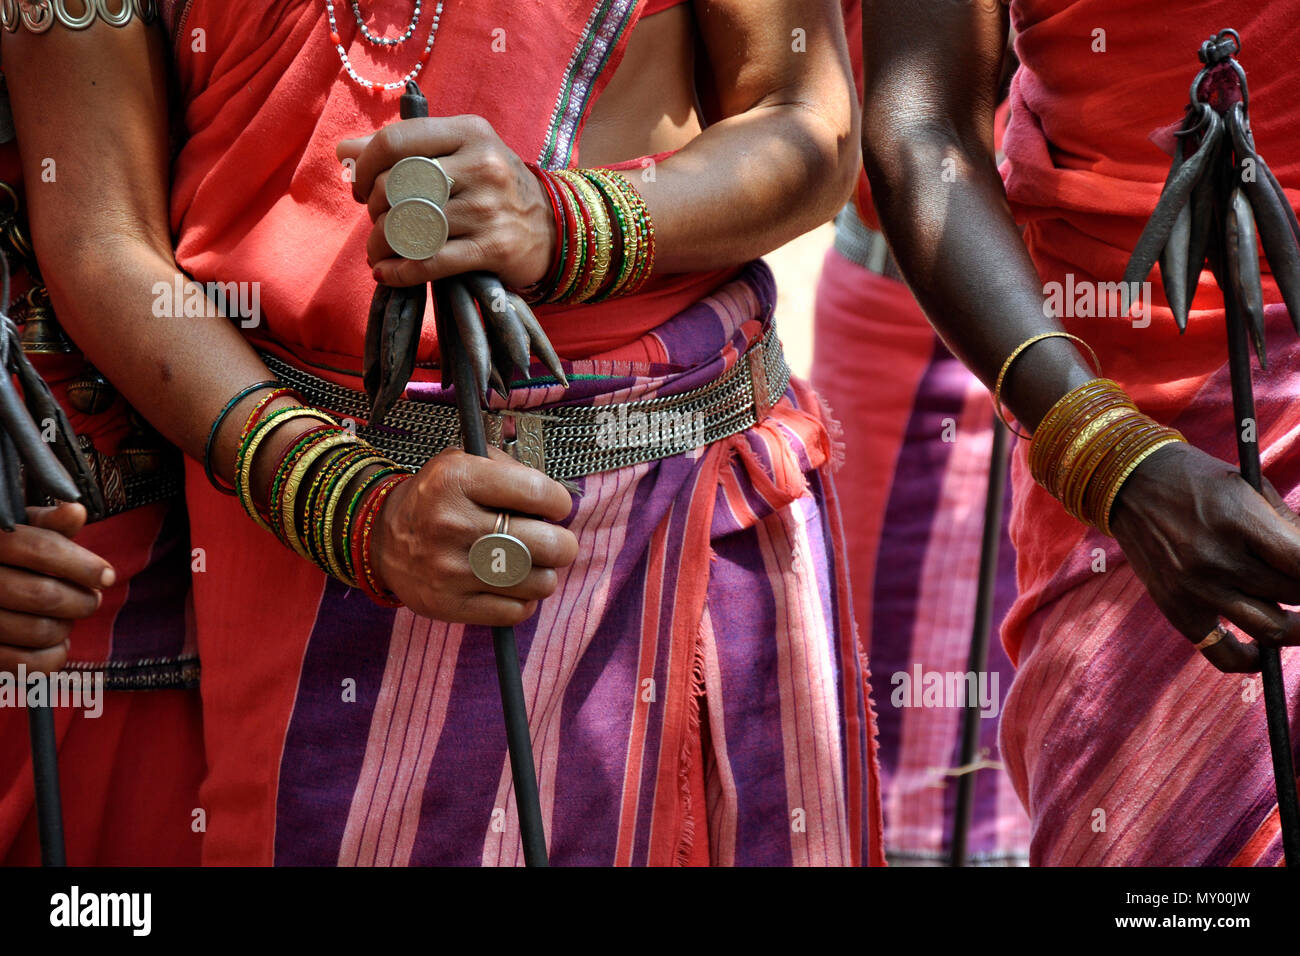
(1279, 733)
(509, 678)
(45, 772)
(985, 597)
(40, 719)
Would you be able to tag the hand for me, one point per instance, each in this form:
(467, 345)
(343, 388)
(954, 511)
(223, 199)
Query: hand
(499, 217)
(1207, 546)
(46, 584)
(427, 525)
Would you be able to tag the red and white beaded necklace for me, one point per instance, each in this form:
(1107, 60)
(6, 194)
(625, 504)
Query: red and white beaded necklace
(347, 64)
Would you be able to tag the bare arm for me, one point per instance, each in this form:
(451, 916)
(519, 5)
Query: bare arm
(932, 71)
(90, 111)
(1204, 544)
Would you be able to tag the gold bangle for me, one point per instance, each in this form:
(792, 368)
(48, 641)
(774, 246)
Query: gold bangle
(603, 252)
(997, 388)
(1101, 444)
(1076, 437)
(293, 481)
(1133, 446)
(1129, 445)
(331, 506)
(263, 429)
(1173, 439)
(1056, 431)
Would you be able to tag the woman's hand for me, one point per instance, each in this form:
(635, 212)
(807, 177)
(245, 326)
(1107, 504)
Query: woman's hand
(499, 218)
(1207, 546)
(427, 525)
(47, 583)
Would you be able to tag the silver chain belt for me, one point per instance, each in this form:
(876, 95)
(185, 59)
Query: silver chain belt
(570, 441)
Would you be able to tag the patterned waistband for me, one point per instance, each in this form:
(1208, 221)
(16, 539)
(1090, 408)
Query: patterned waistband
(175, 673)
(859, 243)
(570, 441)
(136, 477)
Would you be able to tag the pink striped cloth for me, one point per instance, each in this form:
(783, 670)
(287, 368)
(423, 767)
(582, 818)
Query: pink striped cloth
(696, 690)
(917, 432)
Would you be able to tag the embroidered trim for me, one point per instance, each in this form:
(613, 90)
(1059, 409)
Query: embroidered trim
(39, 15)
(600, 38)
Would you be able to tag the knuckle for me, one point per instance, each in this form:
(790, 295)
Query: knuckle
(547, 581)
(477, 126)
(494, 166)
(43, 591)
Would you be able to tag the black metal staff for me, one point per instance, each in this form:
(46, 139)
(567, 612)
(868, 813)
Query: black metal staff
(979, 642)
(484, 332)
(49, 470)
(1215, 202)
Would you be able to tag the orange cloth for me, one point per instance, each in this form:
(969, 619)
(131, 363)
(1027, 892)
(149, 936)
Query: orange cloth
(259, 196)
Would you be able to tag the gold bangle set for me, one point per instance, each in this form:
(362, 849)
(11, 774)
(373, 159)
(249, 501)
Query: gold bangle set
(1089, 442)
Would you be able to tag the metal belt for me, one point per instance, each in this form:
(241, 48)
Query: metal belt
(859, 243)
(570, 441)
(125, 487)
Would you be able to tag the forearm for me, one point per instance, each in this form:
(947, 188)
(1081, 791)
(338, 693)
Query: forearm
(942, 206)
(90, 113)
(178, 371)
(751, 183)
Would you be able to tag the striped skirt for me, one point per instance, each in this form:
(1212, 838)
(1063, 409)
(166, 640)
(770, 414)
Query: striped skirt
(917, 432)
(695, 687)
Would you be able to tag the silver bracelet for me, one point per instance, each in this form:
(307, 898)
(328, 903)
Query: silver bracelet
(39, 15)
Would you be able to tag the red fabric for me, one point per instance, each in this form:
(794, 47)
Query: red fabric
(130, 777)
(129, 782)
(259, 195)
(1083, 173)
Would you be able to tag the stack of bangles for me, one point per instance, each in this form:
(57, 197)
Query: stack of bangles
(1089, 443)
(306, 508)
(606, 241)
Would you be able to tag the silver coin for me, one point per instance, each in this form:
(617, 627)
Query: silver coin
(417, 177)
(500, 560)
(415, 229)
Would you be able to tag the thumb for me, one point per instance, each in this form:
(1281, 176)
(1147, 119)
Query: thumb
(66, 518)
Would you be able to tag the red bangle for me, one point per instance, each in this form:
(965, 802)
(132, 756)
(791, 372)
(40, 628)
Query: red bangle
(576, 257)
(362, 542)
(259, 409)
(545, 287)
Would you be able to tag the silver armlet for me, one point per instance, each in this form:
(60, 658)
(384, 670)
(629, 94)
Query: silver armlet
(39, 15)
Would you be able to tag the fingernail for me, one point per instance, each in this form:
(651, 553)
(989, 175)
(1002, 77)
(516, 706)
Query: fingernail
(107, 578)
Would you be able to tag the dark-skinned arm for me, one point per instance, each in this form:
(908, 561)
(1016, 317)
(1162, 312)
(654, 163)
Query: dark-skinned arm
(1204, 544)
